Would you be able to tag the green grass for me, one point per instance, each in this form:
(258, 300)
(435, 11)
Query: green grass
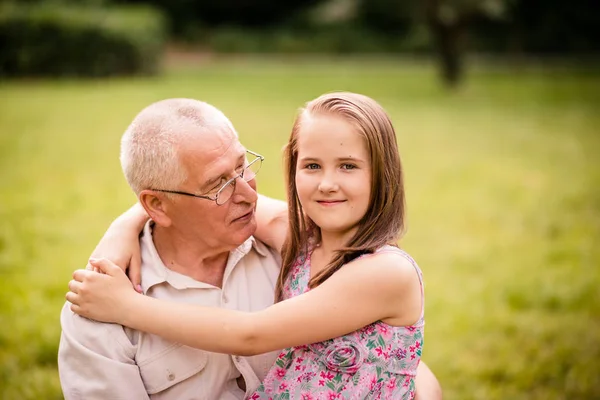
(503, 184)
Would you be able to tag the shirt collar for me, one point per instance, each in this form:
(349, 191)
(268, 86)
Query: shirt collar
(154, 271)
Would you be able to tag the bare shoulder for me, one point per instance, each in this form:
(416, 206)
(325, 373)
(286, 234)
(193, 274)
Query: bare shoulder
(387, 281)
(387, 268)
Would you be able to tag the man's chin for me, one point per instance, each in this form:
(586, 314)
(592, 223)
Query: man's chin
(252, 227)
(246, 230)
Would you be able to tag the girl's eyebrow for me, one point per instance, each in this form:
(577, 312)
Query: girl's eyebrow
(353, 159)
(339, 159)
(309, 159)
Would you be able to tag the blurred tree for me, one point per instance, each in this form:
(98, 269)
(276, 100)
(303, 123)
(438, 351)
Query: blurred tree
(556, 26)
(91, 3)
(58, 39)
(387, 16)
(186, 15)
(448, 21)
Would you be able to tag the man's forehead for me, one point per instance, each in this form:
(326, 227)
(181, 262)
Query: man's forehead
(209, 145)
(205, 161)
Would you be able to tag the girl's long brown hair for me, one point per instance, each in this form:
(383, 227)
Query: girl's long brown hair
(383, 222)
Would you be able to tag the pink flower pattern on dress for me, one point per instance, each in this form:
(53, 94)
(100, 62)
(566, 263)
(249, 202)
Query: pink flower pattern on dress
(378, 361)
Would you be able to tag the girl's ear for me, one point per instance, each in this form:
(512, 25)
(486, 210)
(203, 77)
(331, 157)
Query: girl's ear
(157, 206)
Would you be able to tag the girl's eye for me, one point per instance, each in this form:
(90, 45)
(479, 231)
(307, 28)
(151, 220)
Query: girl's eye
(312, 166)
(348, 166)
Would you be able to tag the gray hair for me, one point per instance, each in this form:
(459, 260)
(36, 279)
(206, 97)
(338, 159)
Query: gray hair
(150, 145)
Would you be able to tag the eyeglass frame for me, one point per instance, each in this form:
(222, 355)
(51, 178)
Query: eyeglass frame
(231, 181)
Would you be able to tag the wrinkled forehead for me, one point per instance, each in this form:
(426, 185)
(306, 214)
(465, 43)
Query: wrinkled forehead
(210, 152)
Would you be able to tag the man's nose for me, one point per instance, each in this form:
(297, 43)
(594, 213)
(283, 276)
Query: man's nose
(244, 192)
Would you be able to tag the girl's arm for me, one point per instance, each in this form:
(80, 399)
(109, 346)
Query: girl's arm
(271, 221)
(120, 244)
(381, 287)
(426, 384)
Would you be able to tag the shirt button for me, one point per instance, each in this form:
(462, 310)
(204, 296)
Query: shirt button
(171, 376)
(237, 358)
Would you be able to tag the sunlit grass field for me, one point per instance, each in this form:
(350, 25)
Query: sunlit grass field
(503, 183)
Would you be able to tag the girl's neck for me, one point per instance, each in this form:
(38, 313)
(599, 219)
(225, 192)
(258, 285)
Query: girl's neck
(325, 249)
(333, 241)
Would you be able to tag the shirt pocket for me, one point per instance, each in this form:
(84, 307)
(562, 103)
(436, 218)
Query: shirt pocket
(171, 366)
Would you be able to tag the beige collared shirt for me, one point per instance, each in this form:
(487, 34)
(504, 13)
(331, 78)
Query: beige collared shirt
(107, 361)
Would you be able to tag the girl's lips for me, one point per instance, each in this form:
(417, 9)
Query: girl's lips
(330, 202)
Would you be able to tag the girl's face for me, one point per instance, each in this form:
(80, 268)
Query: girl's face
(333, 174)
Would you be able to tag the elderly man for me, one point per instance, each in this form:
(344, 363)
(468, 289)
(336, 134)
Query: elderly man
(195, 249)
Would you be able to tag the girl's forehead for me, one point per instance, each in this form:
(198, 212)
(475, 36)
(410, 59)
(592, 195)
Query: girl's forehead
(326, 134)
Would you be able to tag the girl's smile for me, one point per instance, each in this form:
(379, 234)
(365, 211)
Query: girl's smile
(329, 203)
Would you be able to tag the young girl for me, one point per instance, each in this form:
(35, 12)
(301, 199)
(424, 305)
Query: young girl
(350, 303)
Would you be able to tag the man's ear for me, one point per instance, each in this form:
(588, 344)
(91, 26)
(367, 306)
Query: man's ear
(156, 205)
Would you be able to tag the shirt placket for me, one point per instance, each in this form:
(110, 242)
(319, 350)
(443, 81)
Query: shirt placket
(229, 301)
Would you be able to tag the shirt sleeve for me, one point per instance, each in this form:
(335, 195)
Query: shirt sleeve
(97, 360)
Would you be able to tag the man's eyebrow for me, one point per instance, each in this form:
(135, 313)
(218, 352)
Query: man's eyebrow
(208, 184)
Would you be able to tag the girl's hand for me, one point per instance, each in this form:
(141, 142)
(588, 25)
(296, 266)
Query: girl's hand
(103, 296)
(120, 244)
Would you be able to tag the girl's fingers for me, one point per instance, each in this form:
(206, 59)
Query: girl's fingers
(72, 298)
(74, 286)
(76, 309)
(106, 266)
(134, 273)
(81, 274)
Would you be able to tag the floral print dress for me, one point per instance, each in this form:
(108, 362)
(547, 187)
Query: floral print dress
(378, 361)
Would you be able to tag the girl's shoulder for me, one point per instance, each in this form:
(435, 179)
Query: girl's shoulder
(391, 255)
(389, 263)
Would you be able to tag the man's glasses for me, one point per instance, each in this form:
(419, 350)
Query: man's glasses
(224, 193)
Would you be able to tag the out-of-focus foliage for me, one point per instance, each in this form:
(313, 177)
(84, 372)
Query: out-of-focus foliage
(448, 29)
(187, 16)
(47, 39)
(554, 26)
(388, 16)
(449, 22)
(331, 39)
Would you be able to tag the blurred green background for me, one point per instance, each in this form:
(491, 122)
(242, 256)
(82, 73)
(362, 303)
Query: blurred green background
(501, 163)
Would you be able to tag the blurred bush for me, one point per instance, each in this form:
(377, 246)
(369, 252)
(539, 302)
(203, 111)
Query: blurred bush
(392, 17)
(186, 15)
(330, 39)
(50, 40)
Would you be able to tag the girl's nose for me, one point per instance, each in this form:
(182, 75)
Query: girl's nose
(327, 185)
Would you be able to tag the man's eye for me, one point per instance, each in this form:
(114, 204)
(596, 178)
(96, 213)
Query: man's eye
(218, 185)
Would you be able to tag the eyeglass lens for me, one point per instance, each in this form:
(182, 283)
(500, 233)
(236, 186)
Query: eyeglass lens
(247, 174)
